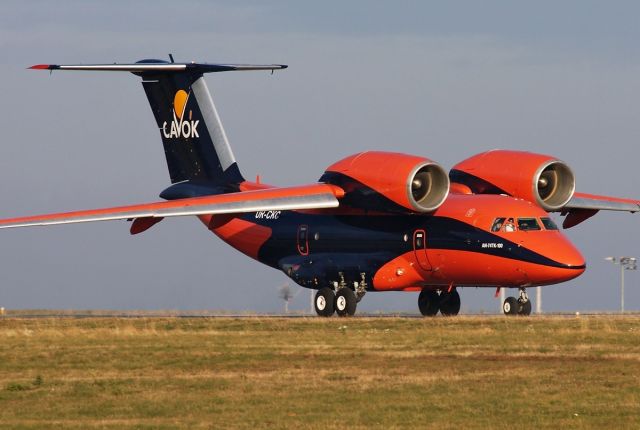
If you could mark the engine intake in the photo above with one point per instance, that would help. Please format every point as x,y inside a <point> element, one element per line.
<point>390,181</point>
<point>428,188</point>
<point>538,178</point>
<point>554,185</point>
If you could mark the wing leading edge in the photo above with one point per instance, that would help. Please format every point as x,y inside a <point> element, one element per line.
<point>316,196</point>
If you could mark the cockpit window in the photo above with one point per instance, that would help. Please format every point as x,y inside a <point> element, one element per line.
<point>497,224</point>
<point>509,225</point>
<point>528,224</point>
<point>549,224</point>
<point>524,224</point>
<point>503,224</point>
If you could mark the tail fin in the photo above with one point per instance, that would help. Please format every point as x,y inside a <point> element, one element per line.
<point>195,143</point>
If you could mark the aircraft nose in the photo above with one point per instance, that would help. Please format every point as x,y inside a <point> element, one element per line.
<point>563,261</point>
<point>570,257</point>
<point>572,263</point>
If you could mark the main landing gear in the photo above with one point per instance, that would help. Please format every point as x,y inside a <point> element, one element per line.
<point>517,306</point>
<point>343,302</point>
<point>447,302</point>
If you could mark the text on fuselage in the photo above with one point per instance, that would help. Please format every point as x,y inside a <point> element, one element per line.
<point>268,214</point>
<point>493,245</point>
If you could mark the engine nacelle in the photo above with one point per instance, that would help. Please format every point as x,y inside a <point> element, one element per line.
<point>537,178</point>
<point>389,181</point>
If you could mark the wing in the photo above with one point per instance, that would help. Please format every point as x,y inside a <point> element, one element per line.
<point>602,203</point>
<point>583,206</point>
<point>317,196</point>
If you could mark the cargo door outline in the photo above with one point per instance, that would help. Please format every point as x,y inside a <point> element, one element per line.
<point>302,239</point>
<point>420,249</point>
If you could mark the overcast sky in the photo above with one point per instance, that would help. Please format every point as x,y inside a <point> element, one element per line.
<point>443,80</point>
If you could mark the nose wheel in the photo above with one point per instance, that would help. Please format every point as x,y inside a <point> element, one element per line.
<point>517,306</point>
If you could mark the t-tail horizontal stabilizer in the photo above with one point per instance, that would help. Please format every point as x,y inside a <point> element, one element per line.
<point>155,66</point>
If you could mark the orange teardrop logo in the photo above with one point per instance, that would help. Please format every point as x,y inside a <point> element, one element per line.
<point>179,103</point>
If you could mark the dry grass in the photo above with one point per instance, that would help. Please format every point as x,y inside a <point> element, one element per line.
<point>468,372</point>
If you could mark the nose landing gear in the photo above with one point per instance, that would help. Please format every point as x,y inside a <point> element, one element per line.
<point>517,306</point>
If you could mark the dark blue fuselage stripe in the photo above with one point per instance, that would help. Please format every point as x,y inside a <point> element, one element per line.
<point>349,234</point>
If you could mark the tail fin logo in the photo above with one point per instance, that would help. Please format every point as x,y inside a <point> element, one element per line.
<point>180,126</point>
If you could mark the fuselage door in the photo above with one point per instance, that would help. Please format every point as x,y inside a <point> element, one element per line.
<point>303,240</point>
<point>420,249</point>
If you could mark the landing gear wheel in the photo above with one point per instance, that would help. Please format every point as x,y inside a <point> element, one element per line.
<point>524,308</point>
<point>510,306</point>
<point>324,302</point>
<point>428,303</point>
<point>524,304</point>
<point>346,302</point>
<point>450,303</point>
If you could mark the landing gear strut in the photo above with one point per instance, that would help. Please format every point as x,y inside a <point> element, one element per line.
<point>517,306</point>
<point>430,302</point>
<point>361,287</point>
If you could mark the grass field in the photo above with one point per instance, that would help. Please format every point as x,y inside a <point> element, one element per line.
<point>465,372</point>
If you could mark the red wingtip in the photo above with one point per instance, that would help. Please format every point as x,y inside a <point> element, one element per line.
<point>40,66</point>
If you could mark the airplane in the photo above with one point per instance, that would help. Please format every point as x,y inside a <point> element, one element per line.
<point>373,221</point>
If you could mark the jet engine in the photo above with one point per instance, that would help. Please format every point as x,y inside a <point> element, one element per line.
<point>389,181</point>
<point>541,179</point>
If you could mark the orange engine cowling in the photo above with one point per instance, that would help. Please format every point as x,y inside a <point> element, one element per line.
<point>389,181</point>
<point>538,178</point>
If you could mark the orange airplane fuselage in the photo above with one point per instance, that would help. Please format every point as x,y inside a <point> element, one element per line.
<point>454,246</point>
